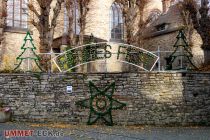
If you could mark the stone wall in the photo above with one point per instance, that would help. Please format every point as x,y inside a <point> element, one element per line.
<point>152,98</point>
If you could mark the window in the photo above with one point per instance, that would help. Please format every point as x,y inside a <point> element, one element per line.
<point>117,26</point>
<point>76,27</point>
<point>17,14</point>
<point>162,27</point>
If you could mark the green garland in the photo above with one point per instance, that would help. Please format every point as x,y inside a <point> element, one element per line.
<point>101,103</point>
<point>25,48</point>
<point>180,42</point>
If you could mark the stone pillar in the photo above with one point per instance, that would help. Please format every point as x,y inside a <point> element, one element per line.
<point>166,4</point>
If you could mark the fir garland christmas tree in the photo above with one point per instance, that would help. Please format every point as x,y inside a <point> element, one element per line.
<point>28,54</point>
<point>181,53</point>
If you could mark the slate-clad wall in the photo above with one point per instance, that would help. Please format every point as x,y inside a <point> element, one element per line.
<point>152,98</point>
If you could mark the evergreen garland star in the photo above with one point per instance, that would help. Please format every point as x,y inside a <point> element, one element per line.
<point>28,53</point>
<point>101,103</point>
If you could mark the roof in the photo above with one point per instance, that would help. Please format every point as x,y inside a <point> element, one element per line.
<point>172,18</point>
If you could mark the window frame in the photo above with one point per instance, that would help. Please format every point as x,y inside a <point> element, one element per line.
<point>113,24</point>
<point>21,28</point>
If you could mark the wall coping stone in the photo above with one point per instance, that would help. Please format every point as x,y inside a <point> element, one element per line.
<point>143,72</point>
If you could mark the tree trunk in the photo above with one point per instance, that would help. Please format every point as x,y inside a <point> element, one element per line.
<point>72,36</point>
<point>201,24</point>
<point>3,14</point>
<point>45,28</point>
<point>141,25</point>
<point>83,10</point>
<point>82,21</point>
<point>71,9</point>
<point>45,38</point>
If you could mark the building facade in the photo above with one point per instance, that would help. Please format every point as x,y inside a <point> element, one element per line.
<point>104,21</point>
<point>160,35</point>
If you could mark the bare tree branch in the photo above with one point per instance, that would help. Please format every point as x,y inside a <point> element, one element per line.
<point>83,8</point>
<point>32,8</point>
<point>36,24</point>
<point>56,12</point>
<point>201,23</point>
<point>45,27</point>
<point>70,9</point>
<point>132,12</point>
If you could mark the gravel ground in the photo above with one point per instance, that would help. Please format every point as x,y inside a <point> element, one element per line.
<point>83,132</point>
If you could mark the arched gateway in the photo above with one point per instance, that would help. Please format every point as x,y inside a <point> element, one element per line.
<point>94,52</point>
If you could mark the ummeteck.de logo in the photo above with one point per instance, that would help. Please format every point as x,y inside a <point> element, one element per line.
<point>32,133</point>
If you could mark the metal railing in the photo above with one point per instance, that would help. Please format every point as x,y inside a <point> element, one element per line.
<point>50,62</point>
